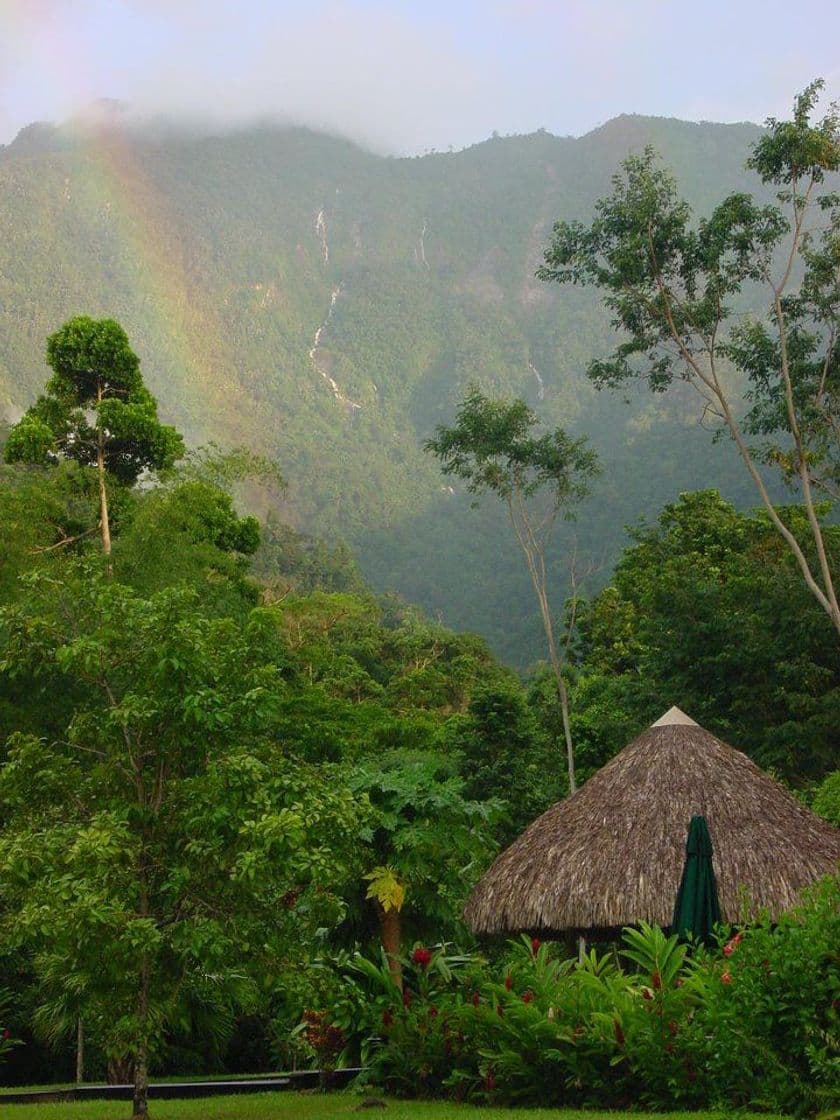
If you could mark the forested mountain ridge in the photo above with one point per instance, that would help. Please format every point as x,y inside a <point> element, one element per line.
<point>327,306</point>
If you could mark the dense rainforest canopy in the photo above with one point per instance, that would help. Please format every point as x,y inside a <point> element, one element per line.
<point>228,703</point>
<point>226,762</point>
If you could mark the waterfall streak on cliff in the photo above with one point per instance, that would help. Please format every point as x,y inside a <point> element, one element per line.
<point>540,382</point>
<point>313,354</point>
<point>321,231</point>
<point>421,244</point>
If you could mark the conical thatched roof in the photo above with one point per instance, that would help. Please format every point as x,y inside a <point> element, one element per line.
<point>612,854</point>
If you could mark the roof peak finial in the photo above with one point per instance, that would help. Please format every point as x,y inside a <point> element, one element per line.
<point>675,715</point>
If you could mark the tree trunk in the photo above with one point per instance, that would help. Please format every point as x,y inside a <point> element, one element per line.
<point>538,579</point>
<point>567,726</point>
<point>534,552</point>
<point>80,1051</point>
<point>391,926</point>
<point>103,493</point>
<point>141,1066</point>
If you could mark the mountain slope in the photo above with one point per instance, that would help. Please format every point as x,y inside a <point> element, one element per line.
<point>327,307</point>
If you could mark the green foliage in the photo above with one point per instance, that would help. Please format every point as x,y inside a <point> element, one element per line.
<point>707,610</point>
<point>290,560</point>
<point>384,887</point>
<point>95,370</point>
<point>427,841</point>
<point>366,1003</point>
<point>679,289</point>
<point>225,321</point>
<point>252,726</point>
<point>492,447</point>
<point>152,843</point>
<point>505,753</point>
<point>768,1034</point>
<point>187,532</point>
<point>39,508</point>
<point>827,798</point>
<point>7,1041</point>
<point>751,1025</point>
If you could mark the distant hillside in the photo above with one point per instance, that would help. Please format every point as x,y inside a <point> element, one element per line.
<point>327,306</point>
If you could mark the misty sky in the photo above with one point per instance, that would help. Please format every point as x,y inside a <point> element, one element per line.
<point>412,75</point>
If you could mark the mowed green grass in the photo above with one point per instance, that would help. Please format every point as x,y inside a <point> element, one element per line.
<point>317,1106</point>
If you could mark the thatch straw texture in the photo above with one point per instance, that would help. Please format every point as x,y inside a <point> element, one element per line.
<point>612,854</point>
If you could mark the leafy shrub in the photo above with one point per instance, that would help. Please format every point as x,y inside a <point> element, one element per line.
<point>752,1023</point>
<point>827,798</point>
<point>769,1032</point>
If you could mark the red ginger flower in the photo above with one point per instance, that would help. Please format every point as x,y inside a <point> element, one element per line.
<point>535,944</point>
<point>527,997</point>
<point>422,957</point>
<point>508,982</point>
<point>656,980</point>
<point>475,999</point>
<point>726,977</point>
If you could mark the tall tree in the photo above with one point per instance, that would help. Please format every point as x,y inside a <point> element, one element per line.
<point>494,447</point>
<point>160,831</point>
<point>678,288</point>
<point>95,410</point>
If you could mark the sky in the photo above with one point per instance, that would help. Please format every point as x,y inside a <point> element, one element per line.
<point>410,76</point>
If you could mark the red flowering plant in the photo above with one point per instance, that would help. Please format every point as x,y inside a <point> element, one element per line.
<point>656,1062</point>
<point>421,957</point>
<point>404,1030</point>
<point>519,1028</point>
<point>670,1028</point>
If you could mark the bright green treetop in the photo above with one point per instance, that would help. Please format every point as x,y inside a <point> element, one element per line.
<point>96,410</point>
<point>96,388</point>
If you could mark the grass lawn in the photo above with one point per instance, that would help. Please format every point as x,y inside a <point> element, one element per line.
<point>316,1106</point>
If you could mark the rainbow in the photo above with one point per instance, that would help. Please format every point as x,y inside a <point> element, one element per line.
<point>149,236</point>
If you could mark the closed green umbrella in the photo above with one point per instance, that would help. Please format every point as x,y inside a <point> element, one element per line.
<point>697,908</point>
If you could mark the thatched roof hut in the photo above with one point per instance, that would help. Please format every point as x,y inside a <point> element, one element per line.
<point>612,854</point>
